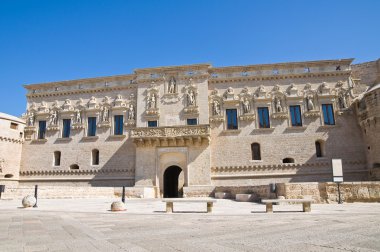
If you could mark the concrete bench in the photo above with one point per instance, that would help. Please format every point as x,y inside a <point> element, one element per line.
<point>169,203</point>
<point>306,203</point>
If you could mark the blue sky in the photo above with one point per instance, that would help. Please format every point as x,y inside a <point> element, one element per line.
<point>42,41</point>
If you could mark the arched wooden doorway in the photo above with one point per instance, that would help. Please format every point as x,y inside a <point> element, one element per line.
<point>172,189</point>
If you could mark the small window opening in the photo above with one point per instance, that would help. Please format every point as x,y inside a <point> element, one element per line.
<point>318,149</point>
<point>255,149</point>
<point>14,126</point>
<point>8,176</point>
<point>57,158</point>
<point>74,167</point>
<point>288,161</point>
<point>95,157</point>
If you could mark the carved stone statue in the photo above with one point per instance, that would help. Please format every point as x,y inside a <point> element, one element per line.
<point>309,103</point>
<point>172,86</point>
<point>246,106</point>
<point>191,98</point>
<point>54,118</point>
<point>31,120</point>
<point>277,102</point>
<point>342,101</point>
<point>152,101</point>
<point>78,117</point>
<point>216,107</point>
<point>105,113</point>
<point>230,90</point>
<point>131,112</point>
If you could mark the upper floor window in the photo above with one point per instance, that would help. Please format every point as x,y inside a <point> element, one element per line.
<point>118,128</point>
<point>152,123</point>
<point>66,128</point>
<point>263,117</point>
<point>192,121</point>
<point>328,114</point>
<point>57,158</point>
<point>91,131</point>
<point>41,129</point>
<point>295,115</point>
<point>95,157</point>
<point>231,118</point>
<point>255,149</point>
<point>14,125</point>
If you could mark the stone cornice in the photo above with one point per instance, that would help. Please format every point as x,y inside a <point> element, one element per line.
<point>80,91</point>
<point>79,81</point>
<point>74,172</point>
<point>12,140</point>
<point>196,67</point>
<point>285,65</point>
<point>173,68</point>
<point>279,77</point>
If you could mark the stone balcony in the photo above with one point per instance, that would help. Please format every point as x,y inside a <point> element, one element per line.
<point>171,136</point>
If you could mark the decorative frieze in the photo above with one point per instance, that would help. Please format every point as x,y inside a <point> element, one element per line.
<point>171,135</point>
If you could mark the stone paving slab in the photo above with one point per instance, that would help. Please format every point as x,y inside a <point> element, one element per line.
<point>88,225</point>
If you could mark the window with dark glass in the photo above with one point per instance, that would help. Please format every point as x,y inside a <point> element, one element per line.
<point>318,149</point>
<point>152,123</point>
<point>91,131</point>
<point>57,158</point>
<point>295,115</point>
<point>41,129</point>
<point>66,128</point>
<point>118,129</point>
<point>263,117</point>
<point>255,149</point>
<point>288,160</point>
<point>231,119</point>
<point>95,157</point>
<point>192,121</point>
<point>328,114</point>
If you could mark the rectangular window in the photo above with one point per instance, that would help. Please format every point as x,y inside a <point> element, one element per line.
<point>295,115</point>
<point>66,128</point>
<point>41,129</point>
<point>91,131</point>
<point>118,129</point>
<point>192,121</point>
<point>328,114</point>
<point>152,123</point>
<point>231,119</point>
<point>263,117</point>
<point>14,125</point>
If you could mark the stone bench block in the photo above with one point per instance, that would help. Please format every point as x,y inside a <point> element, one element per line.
<point>245,197</point>
<point>222,195</point>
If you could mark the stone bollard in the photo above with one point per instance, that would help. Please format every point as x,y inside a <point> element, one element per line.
<point>29,201</point>
<point>118,206</point>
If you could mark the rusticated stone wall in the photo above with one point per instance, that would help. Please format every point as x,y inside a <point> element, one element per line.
<point>328,192</point>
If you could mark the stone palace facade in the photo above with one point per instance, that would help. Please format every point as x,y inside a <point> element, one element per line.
<point>184,130</point>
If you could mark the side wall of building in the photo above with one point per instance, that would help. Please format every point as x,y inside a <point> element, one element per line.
<point>11,141</point>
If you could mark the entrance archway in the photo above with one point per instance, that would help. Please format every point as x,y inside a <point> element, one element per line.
<point>172,187</point>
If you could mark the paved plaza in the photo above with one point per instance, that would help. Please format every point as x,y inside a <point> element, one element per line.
<point>88,225</point>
